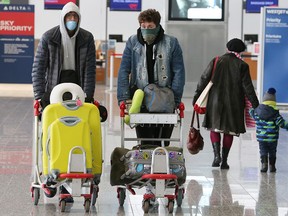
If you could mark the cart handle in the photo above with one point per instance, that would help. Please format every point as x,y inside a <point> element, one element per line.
<point>36,108</point>
<point>181,108</point>
<point>122,109</point>
<point>76,175</point>
<point>159,176</point>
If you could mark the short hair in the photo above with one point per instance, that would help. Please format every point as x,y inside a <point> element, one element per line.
<point>149,15</point>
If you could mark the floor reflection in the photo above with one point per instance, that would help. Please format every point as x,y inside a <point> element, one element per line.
<point>220,201</point>
<point>267,199</point>
<point>194,192</point>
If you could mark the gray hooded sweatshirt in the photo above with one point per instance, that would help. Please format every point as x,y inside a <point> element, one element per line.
<point>68,43</point>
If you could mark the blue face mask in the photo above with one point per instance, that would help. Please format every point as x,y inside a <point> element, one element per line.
<point>71,25</point>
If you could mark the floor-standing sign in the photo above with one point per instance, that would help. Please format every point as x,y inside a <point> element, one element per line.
<point>273,62</point>
<point>16,43</point>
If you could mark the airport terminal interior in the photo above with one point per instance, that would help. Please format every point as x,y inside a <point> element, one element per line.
<point>240,191</point>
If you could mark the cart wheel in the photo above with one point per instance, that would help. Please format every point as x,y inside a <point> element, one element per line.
<point>53,192</point>
<point>121,195</point>
<point>170,206</point>
<point>87,204</point>
<point>146,205</point>
<point>36,195</point>
<point>94,194</point>
<point>62,205</point>
<point>179,197</point>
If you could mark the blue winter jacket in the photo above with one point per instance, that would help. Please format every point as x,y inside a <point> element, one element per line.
<point>168,68</point>
<point>268,120</point>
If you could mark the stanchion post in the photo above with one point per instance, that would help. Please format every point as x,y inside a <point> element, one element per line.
<point>111,71</point>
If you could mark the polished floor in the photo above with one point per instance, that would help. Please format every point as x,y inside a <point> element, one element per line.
<point>242,190</point>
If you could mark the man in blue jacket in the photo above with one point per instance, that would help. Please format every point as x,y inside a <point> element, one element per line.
<point>65,53</point>
<point>150,56</point>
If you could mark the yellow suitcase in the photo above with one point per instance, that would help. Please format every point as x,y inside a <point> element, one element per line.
<point>69,139</point>
<point>87,112</point>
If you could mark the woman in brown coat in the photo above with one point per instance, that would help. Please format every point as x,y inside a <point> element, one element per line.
<point>226,102</point>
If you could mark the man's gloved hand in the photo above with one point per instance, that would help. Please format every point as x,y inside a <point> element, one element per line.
<point>103,113</point>
<point>89,100</point>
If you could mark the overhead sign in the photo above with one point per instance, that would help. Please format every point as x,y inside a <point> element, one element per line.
<point>58,4</point>
<point>273,65</point>
<point>125,5</point>
<point>16,43</point>
<point>254,6</point>
<point>14,1</point>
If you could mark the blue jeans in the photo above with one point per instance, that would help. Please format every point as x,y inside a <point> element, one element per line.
<point>268,149</point>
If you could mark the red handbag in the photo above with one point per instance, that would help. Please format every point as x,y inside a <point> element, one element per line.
<point>195,141</point>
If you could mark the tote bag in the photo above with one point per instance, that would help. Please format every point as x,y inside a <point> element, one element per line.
<point>201,103</point>
<point>159,99</point>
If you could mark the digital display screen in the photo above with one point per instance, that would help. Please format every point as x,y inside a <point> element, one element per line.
<point>203,10</point>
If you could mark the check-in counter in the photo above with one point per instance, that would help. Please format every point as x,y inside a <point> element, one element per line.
<point>251,60</point>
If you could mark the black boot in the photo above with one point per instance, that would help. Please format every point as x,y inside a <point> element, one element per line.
<point>225,152</point>
<point>272,161</point>
<point>264,161</point>
<point>217,157</point>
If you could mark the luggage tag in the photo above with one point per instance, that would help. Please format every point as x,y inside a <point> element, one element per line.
<point>78,101</point>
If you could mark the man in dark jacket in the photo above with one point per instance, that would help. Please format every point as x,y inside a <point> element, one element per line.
<point>65,53</point>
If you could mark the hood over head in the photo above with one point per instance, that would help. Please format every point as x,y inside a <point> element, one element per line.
<point>266,112</point>
<point>69,7</point>
<point>68,43</point>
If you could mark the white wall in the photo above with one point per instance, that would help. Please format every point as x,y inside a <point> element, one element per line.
<point>94,18</point>
<point>93,13</point>
<point>234,18</point>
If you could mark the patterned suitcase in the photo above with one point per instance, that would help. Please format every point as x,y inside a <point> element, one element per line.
<point>128,166</point>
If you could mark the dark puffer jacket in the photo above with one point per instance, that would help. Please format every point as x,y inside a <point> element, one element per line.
<point>48,59</point>
<point>226,102</point>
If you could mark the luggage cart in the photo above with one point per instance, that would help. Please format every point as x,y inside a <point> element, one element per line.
<point>160,177</point>
<point>78,178</point>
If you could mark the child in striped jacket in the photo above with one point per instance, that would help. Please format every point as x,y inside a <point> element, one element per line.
<point>268,121</point>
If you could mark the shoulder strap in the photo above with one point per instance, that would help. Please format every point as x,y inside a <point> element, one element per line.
<point>214,66</point>
<point>197,118</point>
